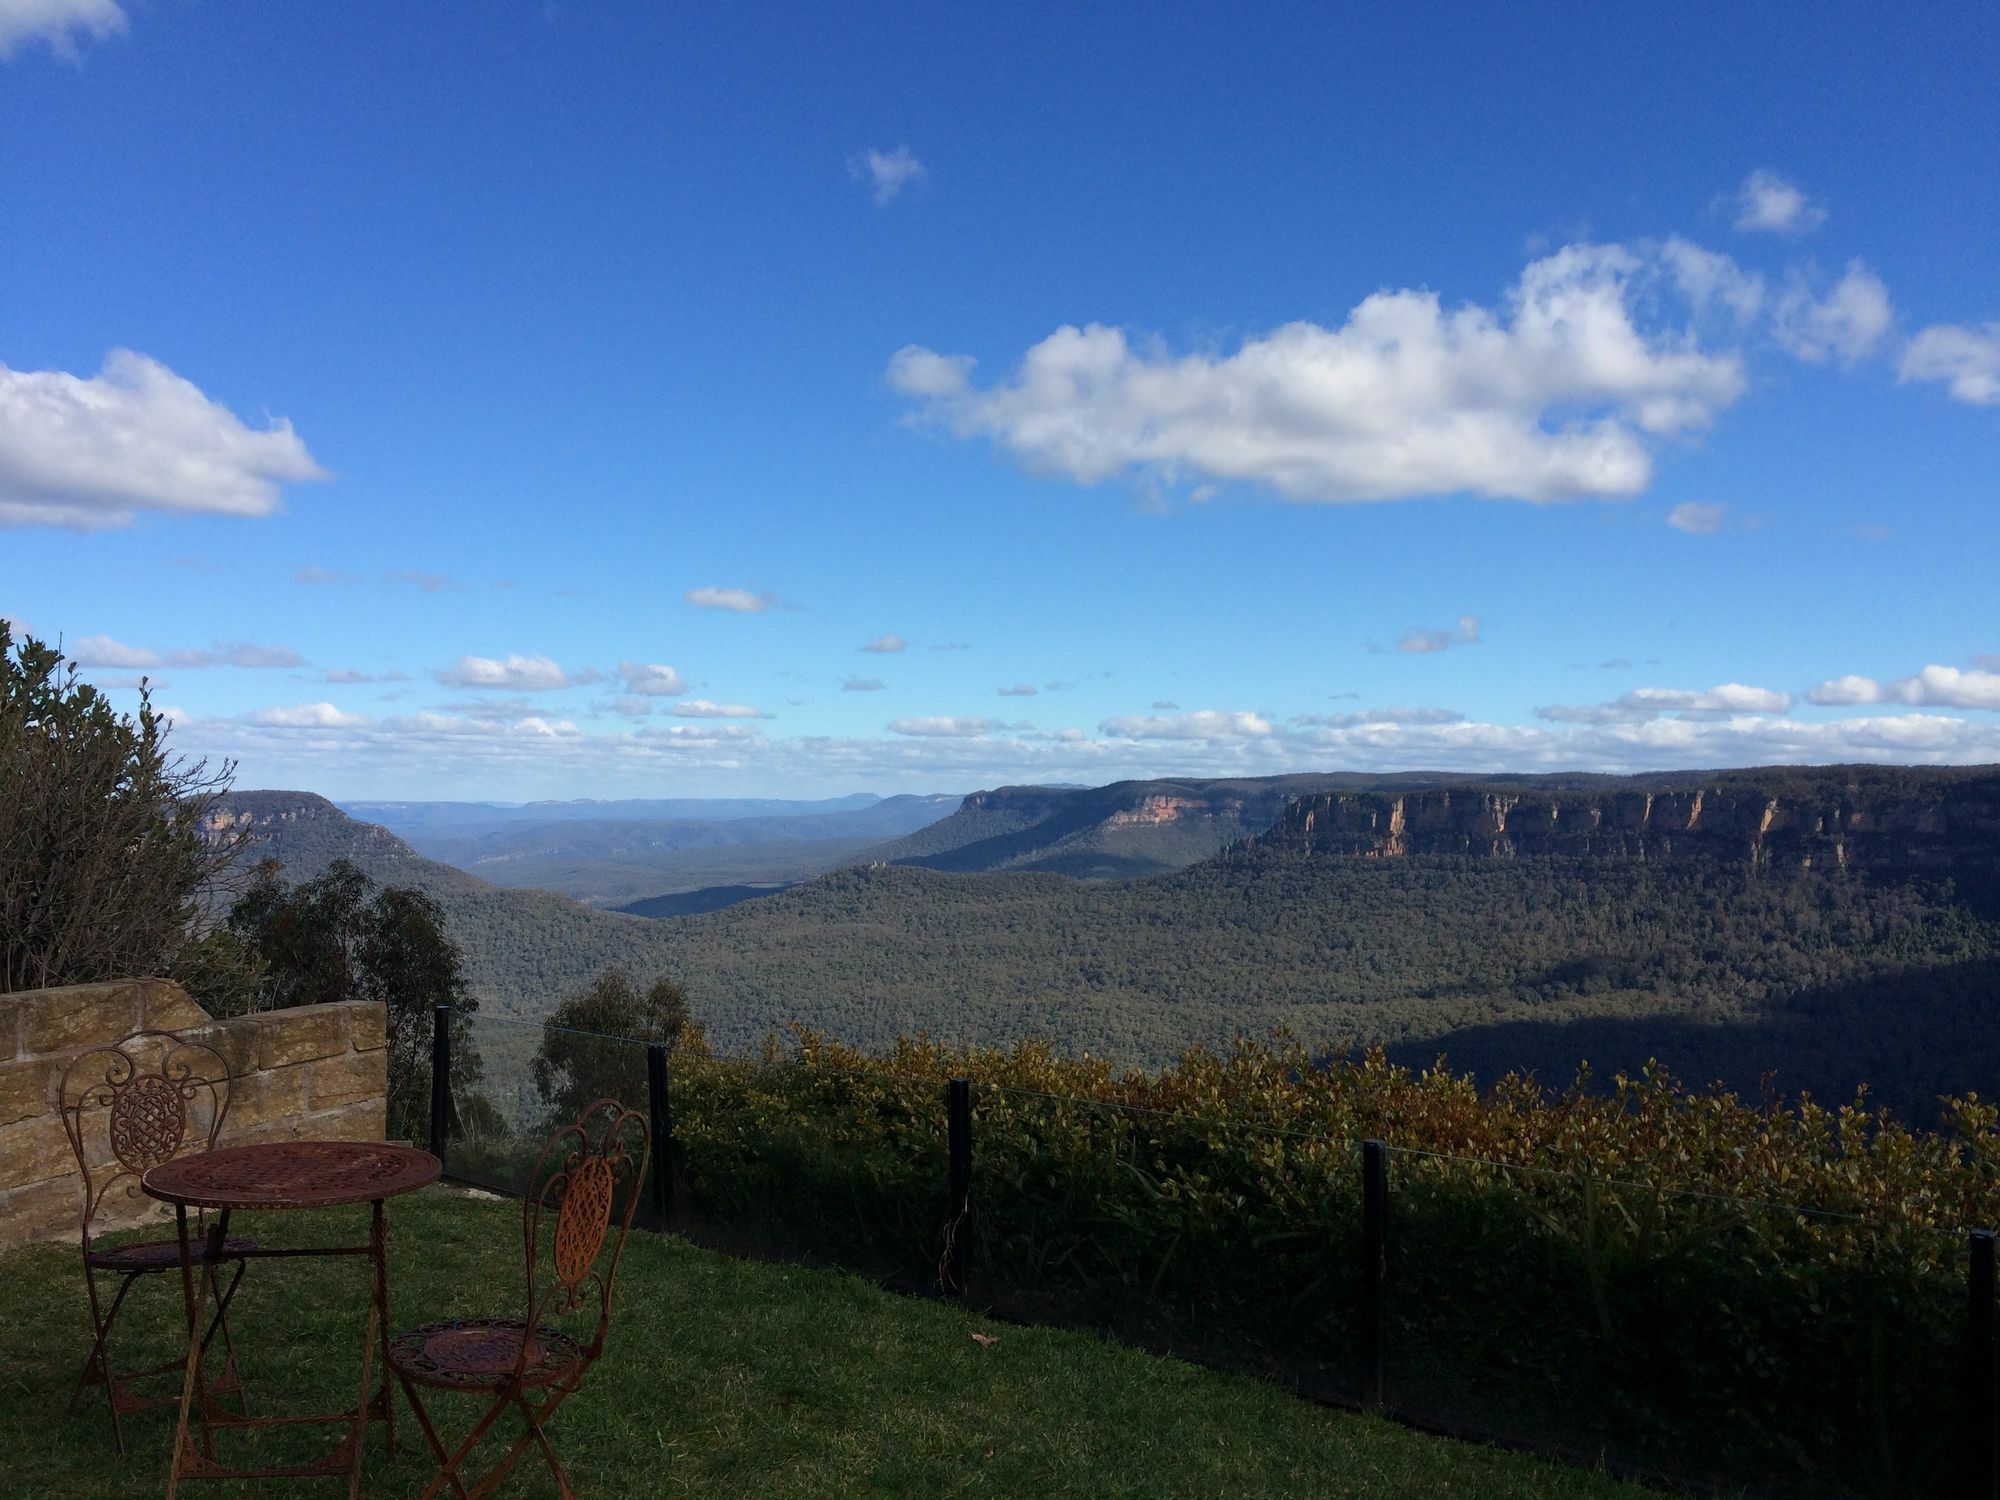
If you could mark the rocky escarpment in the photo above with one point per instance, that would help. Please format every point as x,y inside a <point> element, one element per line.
<point>1836,818</point>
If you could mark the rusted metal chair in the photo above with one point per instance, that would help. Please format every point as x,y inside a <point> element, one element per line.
<point>159,1095</point>
<point>576,1211</point>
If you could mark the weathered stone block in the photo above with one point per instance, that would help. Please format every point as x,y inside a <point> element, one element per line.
<point>280,1038</point>
<point>78,1015</point>
<point>256,1098</point>
<point>33,1149</point>
<point>368,1024</point>
<point>26,1088</point>
<point>46,1210</point>
<point>334,1082</point>
<point>165,1006</point>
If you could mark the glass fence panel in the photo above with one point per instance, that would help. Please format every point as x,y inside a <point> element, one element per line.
<point>515,1082</point>
<point>1226,1241</point>
<point>796,1159</point>
<point>1703,1338</point>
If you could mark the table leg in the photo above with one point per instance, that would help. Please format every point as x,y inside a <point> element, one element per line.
<point>378,1246</point>
<point>189,1376</point>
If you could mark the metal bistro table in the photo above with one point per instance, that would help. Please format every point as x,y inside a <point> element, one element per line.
<point>281,1175</point>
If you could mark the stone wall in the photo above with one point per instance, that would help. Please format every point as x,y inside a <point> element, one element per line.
<point>312,1072</point>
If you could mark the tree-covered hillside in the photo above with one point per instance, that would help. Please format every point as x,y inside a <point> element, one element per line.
<point>1722,971</point>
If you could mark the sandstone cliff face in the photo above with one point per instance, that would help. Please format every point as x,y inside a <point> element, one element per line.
<point>1826,827</point>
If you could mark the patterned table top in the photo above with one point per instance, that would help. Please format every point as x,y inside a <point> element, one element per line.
<point>292,1174</point>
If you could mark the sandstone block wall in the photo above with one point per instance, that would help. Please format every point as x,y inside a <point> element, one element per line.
<point>313,1072</point>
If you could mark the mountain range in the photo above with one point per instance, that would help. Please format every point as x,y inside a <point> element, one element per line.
<point>1835,926</point>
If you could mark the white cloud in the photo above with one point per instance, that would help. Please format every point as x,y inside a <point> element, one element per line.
<point>863,685</point>
<point>521,674</point>
<point>1845,324</point>
<point>702,708</point>
<point>435,754</point>
<point>738,601</point>
<point>91,453</point>
<point>308,716</point>
<point>1020,690</point>
<point>1203,724</point>
<point>1641,704</point>
<point>1708,278</point>
<point>1392,715</point>
<point>62,24</point>
<point>1421,642</point>
<point>631,708</point>
<point>1933,687</point>
<point>1552,398</point>
<point>1967,359</point>
<point>887,173</point>
<point>963,727</point>
<point>1768,204</point>
<point>1697,518</point>
<point>350,676</point>
<point>651,679</point>
<point>103,651</point>
<point>887,643</point>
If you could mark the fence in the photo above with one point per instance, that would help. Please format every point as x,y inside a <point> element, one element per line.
<point>1716,1343</point>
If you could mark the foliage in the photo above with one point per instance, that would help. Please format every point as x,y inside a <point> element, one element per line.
<point>588,1049</point>
<point>338,937</point>
<point>103,852</point>
<point>1745,1293</point>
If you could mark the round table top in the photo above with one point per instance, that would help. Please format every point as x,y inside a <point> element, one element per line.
<point>292,1174</point>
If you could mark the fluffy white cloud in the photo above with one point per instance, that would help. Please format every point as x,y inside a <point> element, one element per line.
<point>1697,518</point>
<point>738,601</point>
<point>1845,324</point>
<point>1421,642</point>
<point>1708,278</point>
<point>60,23</point>
<point>1552,398</point>
<point>887,173</point>
<point>103,651</point>
<point>520,674</point>
<point>1933,687</point>
<point>887,643</point>
<point>863,685</point>
<point>1767,203</point>
<point>1966,359</point>
<point>702,708</point>
<point>1203,724</point>
<point>1641,704</point>
<point>308,716</point>
<point>960,727</point>
<point>651,679</point>
<point>92,453</point>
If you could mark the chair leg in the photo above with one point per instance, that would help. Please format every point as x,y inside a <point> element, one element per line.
<point>231,1379</point>
<point>97,1368</point>
<point>533,1418</point>
<point>448,1463</point>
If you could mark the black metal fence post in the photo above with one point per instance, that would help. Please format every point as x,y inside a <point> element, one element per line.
<point>958,1115</point>
<point>1983,1376</point>
<point>1374,1269</point>
<point>660,1112</point>
<point>440,1078</point>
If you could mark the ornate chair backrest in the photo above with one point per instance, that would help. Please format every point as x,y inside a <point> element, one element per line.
<point>577,1210</point>
<point>149,1098</point>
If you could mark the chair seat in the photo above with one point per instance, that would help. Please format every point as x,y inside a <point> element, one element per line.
<point>475,1354</point>
<point>162,1255</point>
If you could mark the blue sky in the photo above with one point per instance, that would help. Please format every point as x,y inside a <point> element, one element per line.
<point>510,400</point>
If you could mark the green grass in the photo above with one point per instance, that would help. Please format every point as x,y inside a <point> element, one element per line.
<point>723,1377</point>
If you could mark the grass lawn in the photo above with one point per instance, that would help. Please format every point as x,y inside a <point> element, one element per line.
<point>722,1378</point>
